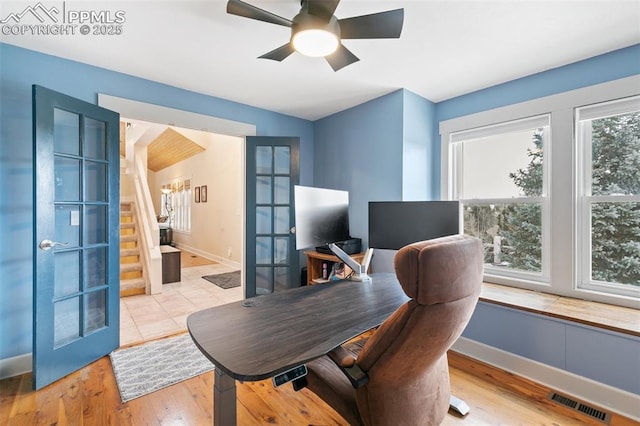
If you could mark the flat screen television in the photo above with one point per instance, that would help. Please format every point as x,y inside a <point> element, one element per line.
<point>321,215</point>
<point>394,224</point>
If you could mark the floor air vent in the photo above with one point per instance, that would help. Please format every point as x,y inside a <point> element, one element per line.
<point>579,406</point>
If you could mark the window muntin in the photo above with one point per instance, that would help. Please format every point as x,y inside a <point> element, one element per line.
<point>608,141</point>
<point>501,183</point>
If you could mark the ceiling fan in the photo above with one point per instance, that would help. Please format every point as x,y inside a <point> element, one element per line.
<point>315,31</point>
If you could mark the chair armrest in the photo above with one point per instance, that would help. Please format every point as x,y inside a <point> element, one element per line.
<point>347,364</point>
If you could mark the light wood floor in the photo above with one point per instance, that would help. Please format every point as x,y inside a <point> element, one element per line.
<point>90,397</point>
<point>189,260</point>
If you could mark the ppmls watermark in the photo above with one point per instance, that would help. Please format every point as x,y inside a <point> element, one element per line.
<point>61,19</point>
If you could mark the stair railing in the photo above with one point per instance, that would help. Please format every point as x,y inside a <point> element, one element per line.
<point>150,231</point>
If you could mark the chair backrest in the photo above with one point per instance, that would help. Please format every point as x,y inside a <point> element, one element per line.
<point>406,358</point>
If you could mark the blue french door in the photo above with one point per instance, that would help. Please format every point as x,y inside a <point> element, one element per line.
<point>272,170</point>
<point>76,234</point>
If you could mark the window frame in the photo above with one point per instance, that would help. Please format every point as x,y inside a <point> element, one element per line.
<point>564,229</point>
<point>457,139</point>
<point>586,199</point>
<point>181,211</point>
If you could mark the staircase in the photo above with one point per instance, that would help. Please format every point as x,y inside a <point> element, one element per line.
<point>132,281</point>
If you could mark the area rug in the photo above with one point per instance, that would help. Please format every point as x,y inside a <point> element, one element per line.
<point>228,280</point>
<point>146,368</point>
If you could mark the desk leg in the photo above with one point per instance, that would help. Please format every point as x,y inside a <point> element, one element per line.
<point>224,399</point>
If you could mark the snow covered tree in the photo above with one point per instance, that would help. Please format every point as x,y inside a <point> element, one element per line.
<point>615,248</point>
<point>520,224</point>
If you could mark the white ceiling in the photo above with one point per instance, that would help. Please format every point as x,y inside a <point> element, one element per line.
<point>447,48</point>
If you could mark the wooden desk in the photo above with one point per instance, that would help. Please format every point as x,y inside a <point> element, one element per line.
<point>258,338</point>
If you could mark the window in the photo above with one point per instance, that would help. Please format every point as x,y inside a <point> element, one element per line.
<point>551,187</point>
<point>501,182</point>
<point>175,202</point>
<point>609,198</point>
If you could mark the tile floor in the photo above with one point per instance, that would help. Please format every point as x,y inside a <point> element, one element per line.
<point>147,317</point>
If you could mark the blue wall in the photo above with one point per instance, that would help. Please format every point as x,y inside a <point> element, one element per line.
<point>360,150</point>
<point>604,356</point>
<point>20,69</point>
<point>418,129</point>
<point>378,151</point>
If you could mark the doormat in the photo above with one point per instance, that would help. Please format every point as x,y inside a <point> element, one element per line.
<point>152,366</point>
<point>228,280</point>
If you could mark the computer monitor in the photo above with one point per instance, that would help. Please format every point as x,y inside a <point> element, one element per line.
<point>321,215</point>
<point>394,224</point>
<point>322,218</point>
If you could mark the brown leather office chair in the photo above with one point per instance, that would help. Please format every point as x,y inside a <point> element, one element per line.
<point>404,363</point>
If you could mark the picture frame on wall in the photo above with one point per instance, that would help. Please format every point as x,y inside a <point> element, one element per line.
<point>197,194</point>
<point>203,193</point>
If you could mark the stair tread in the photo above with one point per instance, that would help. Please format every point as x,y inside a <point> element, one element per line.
<point>127,225</point>
<point>129,252</point>
<point>132,283</point>
<point>129,238</point>
<point>130,267</point>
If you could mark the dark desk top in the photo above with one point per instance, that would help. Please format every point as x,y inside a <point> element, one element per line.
<point>282,330</point>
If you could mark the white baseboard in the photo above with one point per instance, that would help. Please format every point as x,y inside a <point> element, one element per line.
<point>210,256</point>
<point>15,366</point>
<point>602,395</point>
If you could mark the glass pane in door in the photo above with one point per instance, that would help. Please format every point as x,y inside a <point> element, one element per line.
<point>95,181</point>
<point>264,160</point>
<point>66,321</point>
<point>94,137</point>
<point>81,226</point>
<point>95,267</point>
<point>67,224</point>
<point>281,220</point>
<point>66,132</point>
<point>66,278</point>
<point>95,308</point>
<point>282,278</point>
<point>264,280</point>
<point>263,220</point>
<point>95,224</point>
<point>273,217</point>
<point>67,178</point>
<point>263,190</point>
<point>282,160</point>
<point>281,189</point>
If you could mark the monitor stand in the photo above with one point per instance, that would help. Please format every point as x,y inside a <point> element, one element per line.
<point>359,269</point>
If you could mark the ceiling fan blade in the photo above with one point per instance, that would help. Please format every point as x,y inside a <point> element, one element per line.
<point>280,53</point>
<point>240,8</point>
<point>341,58</point>
<point>322,8</point>
<point>377,25</point>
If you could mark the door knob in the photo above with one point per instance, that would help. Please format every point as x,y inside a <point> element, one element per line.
<point>292,230</point>
<point>48,244</point>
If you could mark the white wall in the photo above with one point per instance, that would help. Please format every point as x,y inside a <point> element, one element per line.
<point>154,190</point>
<point>216,226</point>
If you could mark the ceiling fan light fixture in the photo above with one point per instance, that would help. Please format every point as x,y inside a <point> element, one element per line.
<point>315,42</point>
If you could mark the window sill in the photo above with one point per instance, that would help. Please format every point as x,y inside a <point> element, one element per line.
<point>608,317</point>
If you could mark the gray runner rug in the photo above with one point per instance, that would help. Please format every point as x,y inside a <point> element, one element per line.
<point>146,368</point>
<point>227,280</point>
